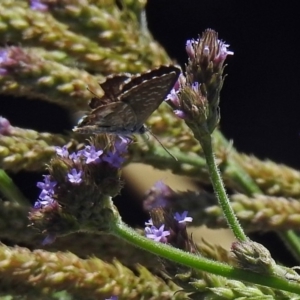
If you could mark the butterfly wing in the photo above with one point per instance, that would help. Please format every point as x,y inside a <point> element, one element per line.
<point>128,101</point>
<point>111,88</point>
<point>116,118</point>
<point>145,93</point>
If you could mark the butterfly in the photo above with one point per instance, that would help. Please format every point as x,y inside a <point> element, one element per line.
<point>128,101</point>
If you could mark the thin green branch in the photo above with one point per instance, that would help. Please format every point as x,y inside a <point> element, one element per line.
<point>219,189</point>
<point>10,191</point>
<point>203,264</point>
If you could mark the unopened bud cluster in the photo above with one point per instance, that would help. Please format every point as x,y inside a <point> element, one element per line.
<point>196,96</point>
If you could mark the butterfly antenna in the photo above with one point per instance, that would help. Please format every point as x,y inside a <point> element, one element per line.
<point>162,145</point>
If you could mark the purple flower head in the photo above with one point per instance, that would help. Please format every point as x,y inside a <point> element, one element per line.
<point>47,185</point>
<point>75,157</point>
<point>37,5</point>
<point>195,87</point>
<point>180,114</point>
<point>91,155</point>
<point>42,202</point>
<point>121,145</point>
<point>173,97</point>
<point>182,218</point>
<point>113,298</point>
<point>5,126</point>
<point>223,52</point>
<point>44,194</point>
<point>75,176</point>
<point>62,151</point>
<point>189,47</point>
<point>114,159</point>
<point>158,235</point>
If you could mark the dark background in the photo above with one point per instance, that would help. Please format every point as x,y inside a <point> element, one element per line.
<point>260,99</point>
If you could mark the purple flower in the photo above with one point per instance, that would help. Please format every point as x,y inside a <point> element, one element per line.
<point>195,87</point>
<point>47,185</point>
<point>5,126</point>
<point>63,152</point>
<point>223,52</point>
<point>74,176</point>
<point>182,218</point>
<point>173,97</point>
<point>158,235</point>
<point>114,159</point>
<point>189,47</point>
<point>91,154</point>
<point>40,203</point>
<point>37,5</point>
<point>113,298</point>
<point>121,145</point>
<point>75,157</point>
<point>180,114</point>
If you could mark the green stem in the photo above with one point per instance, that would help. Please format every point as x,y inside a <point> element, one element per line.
<point>291,240</point>
<point>219,189</point>
<point>238,176</point>
<point>10,191</point>
<point>247,184</point>
<point>201,263</point>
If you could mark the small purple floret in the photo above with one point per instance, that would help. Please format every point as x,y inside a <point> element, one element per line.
<point>75,176</point>
<point>91,155</point>
<point>173,97</point>
<point>182,218</point>
<point>5,126</point>
<point>195,87</point>
<point>74,156</point>
<point>62,151</point>
<point>190,49</point>
<point>114,159</point>
<point>158,235</point>
<point>113,298</point>
<point>47,185</point>
<point>37,5</point>
<point>180,114</point>
<point>121,145</point>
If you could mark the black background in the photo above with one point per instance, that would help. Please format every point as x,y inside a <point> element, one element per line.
<point>260,99</point>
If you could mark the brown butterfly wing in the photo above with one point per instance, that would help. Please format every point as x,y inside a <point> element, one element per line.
<point>138,79</point>
<point>116,117</point>
<point>111,88</point>
<point>146,97</point>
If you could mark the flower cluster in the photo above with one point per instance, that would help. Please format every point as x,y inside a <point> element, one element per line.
<point>78,163</point>
<point>46,195</point>
<point>159,234</point>
<point>195,97</point>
